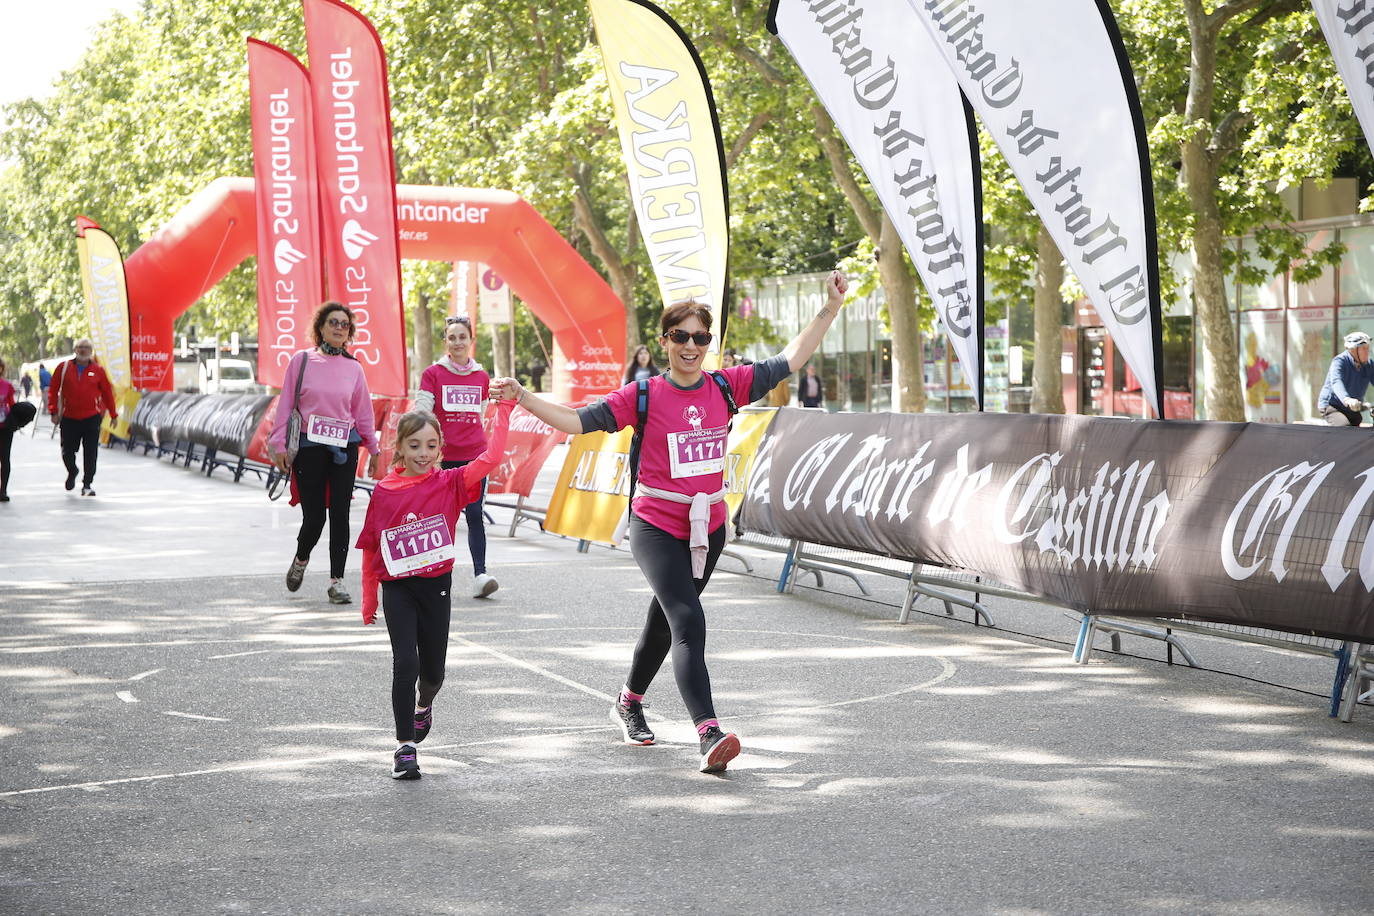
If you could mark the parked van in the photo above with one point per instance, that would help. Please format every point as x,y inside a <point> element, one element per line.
<point>235,377</point>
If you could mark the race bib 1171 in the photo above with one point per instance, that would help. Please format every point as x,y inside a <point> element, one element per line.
<point>697,451</point>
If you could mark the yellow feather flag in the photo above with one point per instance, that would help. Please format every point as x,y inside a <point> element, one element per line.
<point>107,313</point>
<point>107,299</point>
<point>670,139</point>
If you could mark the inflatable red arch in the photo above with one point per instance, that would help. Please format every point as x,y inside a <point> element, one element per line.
<point>216,230</point>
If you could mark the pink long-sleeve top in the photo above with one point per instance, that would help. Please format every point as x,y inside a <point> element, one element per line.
<point>334,387</point>
<point>398,499</point>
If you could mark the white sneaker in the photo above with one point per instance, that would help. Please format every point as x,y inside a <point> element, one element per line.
<point>484,585</point>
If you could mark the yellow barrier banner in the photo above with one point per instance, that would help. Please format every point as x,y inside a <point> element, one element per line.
<point>594,485</point>
<point>126,399</point>
<point>593,488</point>
<point>745,436</point>
<point>670,140</point>
<point>107,300</point>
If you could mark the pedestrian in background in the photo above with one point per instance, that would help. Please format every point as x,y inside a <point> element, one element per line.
<point>1341,401</point>
<point>455,390</point>
<point>335,411</point>
<point>641,365</point>
<point>79,393</point>
<point>810,388</point>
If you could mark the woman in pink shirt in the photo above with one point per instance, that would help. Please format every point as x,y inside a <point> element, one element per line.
<point>336,417</point>
<point>677,529</point>
<point>455,390</point>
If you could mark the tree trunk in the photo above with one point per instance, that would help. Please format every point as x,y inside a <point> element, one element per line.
<point>1221,366</point>
<point>620,270</point>
<point>423,336</point>
<point>898,280</point>
<point>1047,392</point>
<point>899,288</point>
<point>500,351</point>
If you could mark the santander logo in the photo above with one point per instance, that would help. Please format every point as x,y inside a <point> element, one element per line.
<point>285,256</point>
<point>355,238</point>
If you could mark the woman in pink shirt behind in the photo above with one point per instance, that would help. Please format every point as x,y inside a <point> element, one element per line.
<point>677,526</point>
<point>336,417</point>
<point>455,390</point>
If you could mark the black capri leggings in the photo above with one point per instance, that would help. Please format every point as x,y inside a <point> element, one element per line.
<point>676,620</point>
<point>417,613</point>
<point>315,470</point>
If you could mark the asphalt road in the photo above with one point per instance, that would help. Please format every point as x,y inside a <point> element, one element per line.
<point>178,733</point>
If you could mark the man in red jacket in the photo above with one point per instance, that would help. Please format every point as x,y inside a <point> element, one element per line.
<point>79,394</point>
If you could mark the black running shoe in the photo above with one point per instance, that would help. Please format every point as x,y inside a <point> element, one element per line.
<point>406,766</point>
<point>718,748</point>
<point>631,721</point>
<point>70,483</point>
<point>423,722</point>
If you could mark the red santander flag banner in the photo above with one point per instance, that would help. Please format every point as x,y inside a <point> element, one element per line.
<point>290,261</point>
<point>358,185</point>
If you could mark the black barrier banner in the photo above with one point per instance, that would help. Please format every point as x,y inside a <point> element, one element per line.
<point>1245,523</point>
<point>225,423</point>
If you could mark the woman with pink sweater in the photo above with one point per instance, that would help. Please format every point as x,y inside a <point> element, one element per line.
<point>336,417</point>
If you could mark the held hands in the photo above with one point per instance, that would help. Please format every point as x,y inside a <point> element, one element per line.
<point>1354,404</point>
<point>506,389</point>
<point>281,462</point>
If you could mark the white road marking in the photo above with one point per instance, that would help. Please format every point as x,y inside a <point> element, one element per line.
<point>289,764</point>
<point>141,675</point>
<point>542,672</point>
<point>191,715</point>
<point>948,669</point>
<point>242,654</point>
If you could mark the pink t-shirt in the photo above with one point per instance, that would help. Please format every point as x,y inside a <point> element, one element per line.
<point>684,443</point>
<point>334,389</point>
<point>6,397</point>
<point>443,492</point>
<point>458,401</point>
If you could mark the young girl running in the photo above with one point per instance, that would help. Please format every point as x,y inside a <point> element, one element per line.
<point>407,544</point>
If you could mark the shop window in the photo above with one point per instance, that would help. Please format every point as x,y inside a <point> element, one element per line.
<point>1310,335</point>
<point>1321,291</point>
<point>1357,267</point>
<point>1261,359</point>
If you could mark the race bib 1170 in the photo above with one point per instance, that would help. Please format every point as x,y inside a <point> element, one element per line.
<point>416,545</point>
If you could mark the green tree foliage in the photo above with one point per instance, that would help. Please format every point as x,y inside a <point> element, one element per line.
<point>504,93</point>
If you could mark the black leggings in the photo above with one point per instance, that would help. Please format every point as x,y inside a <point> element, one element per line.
<point>477,528</point>
<point>6,443</point>
<point>676,618</point>
<point>85,435</point>
<point>315,469</point>
<point>417,616</point>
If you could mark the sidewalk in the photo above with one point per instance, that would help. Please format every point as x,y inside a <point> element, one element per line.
<point>178,733</point>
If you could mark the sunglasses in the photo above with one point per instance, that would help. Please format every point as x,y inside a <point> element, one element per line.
<point>339,323</point>
<point>700,338</point>
<point>460,320</point>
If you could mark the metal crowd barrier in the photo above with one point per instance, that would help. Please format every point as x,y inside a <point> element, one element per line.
<point>1353,682</point>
